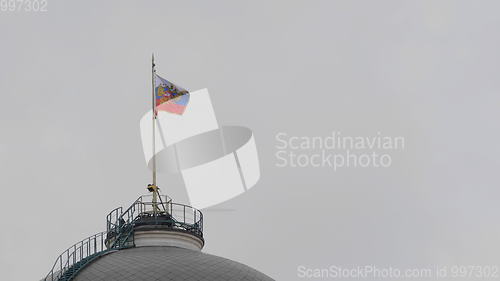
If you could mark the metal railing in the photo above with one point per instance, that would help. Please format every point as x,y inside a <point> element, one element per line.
<point>76,254</point>
<point>171,215</point>
<point>120,232</point>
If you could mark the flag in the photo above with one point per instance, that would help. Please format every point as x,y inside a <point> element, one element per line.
<point>169,97</point>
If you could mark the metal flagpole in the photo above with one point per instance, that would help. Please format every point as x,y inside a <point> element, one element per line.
<point>153,188</point>
<point>154,115</point>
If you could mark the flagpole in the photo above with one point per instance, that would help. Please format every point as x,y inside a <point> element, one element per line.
<point>154,187</point>
<point>153,114</point>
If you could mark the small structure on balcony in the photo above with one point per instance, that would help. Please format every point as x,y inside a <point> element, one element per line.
<point>165,223</point>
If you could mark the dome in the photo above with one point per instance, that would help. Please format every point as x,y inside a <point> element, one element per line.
<point>150,241</point>
<point>165,263</point>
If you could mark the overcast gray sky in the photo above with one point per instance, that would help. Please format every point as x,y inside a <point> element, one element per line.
<point>75,80</point>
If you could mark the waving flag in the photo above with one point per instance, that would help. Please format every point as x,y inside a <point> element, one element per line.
<point>200,150</point>
<point>169,97</point>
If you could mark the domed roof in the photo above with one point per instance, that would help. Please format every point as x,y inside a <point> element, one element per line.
<point>161,263</point>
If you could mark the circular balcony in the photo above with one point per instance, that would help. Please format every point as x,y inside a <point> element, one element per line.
<point>146,223</point>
